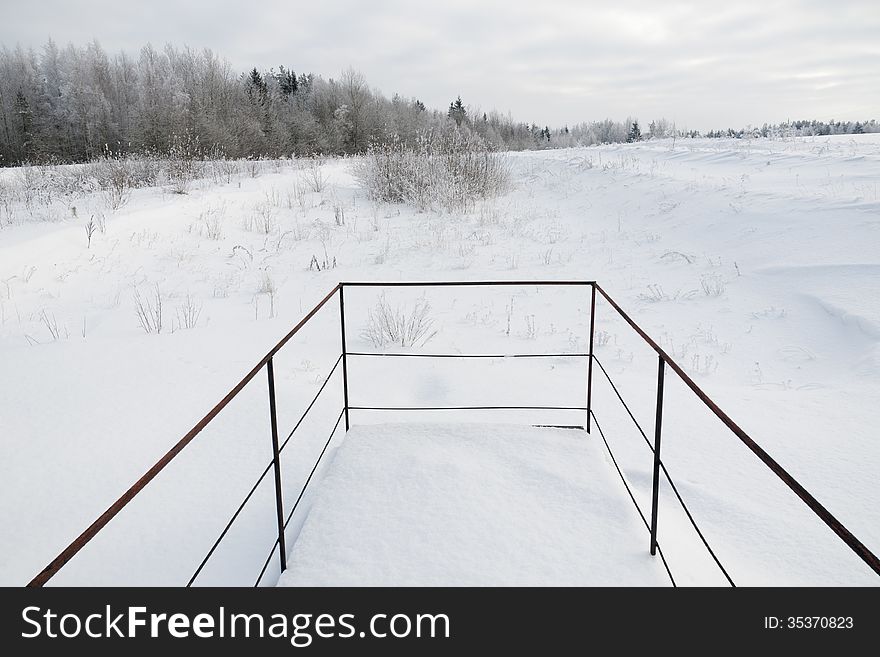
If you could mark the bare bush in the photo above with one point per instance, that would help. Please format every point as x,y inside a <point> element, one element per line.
<point>326,262</point>
<point>297,196</point>
<point>253,167</point>
<point>314,176</point>
<point>6,198</point>
<point>656,294</point>
<point>325,235</point>
<point>48,320</point>
<point>395,325</point>
<point>114,176</point>
<point>184,164</point>
<point>451,171</point>
<point>211,222</point>
<point>213,228</point>
<point>224,169</point>
<point>261,219</point>
<point>603,338</point>
<point>90,229</point>
<point>267,287</point>
<point>267,284</point>
<point>149,310</point>
<point>188,313</point>
<point>713,285</point>
<point>273,198</point>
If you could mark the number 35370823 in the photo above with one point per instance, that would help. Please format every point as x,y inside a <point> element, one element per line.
<point>808,622</point>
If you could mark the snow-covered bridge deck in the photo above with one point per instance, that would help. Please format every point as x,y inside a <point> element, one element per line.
<point>471,504</point>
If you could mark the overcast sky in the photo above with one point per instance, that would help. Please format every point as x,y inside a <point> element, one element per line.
<point>703,64</point>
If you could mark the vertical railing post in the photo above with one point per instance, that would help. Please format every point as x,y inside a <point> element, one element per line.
<point>276,461</point>
<point>590,363</point>
<point>658,424</point>
<point>344,353</point>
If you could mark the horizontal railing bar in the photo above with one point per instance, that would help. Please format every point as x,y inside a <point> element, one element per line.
<point>462,283</point>
<point>665,472</point>
<point>620,472</point>
<point>824,514</point>
<point>632,496</point>
<point>309,408</point>
<point>467,408</point>
<point>262,476</point>
<point>229,524</point>
<point>314,467</point>
<point>694,523</point>
<point>625,405</point>
<point>494,356</point>
<point>79,542</point>
<point>301,493</point>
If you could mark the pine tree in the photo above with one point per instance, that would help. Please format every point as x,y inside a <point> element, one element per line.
<point>287,82</point>
<point>635,133</point>
<point>256,87</point>
<point>22,108</point>
<point>457,111</point>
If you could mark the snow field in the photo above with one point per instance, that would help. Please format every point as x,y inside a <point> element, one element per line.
<point>471,505</point>
<point>754,264</point>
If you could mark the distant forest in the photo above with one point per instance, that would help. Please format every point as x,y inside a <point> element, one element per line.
<point>76,104</point>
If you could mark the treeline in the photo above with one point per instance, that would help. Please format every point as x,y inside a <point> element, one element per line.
<point>801,128</point>
<point>75,103</point>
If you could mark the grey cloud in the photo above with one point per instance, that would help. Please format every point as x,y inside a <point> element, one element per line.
<point>703,64</point>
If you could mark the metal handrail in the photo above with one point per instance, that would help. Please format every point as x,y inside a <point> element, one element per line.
<point>658,467</point>
<point>80,541</point>
<point>824,514</point>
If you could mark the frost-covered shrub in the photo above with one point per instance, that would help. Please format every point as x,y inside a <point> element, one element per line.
<point>314,175</point>
<point>6,198</point>
<point>49,191</point>
<point>114,176</point>
<point>395,325</point>
<point>713,285</point>
<point>184,163</point>
<point>451,171</point>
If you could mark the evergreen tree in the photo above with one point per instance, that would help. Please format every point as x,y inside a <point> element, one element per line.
<point>635,133</point>
<point>22,109</point>
<point>257,89</point>
<point>457,111</point>
<point>287,82</point>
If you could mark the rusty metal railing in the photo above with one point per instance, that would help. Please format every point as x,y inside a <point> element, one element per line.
<point>659,468</point>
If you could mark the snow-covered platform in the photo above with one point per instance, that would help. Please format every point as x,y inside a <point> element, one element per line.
<point>471,504</point>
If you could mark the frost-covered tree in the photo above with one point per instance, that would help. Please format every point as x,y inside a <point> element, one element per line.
<point>635,133</point>
<point>78,102</point>
<point>287,82</point>
<point>457,111</point>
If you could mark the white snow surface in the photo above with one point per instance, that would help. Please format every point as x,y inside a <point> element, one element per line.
<point>471,505</point>
<point>754,263</point>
